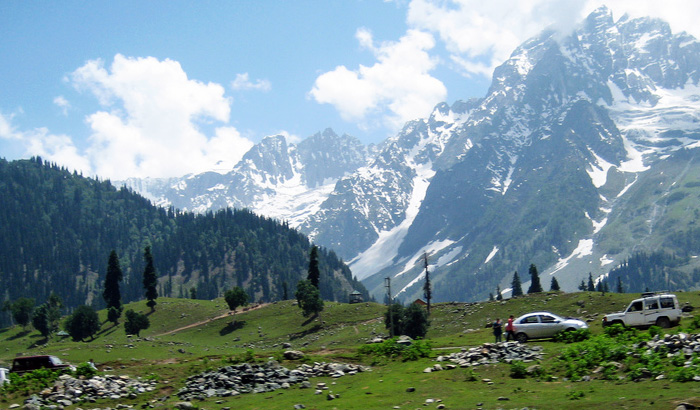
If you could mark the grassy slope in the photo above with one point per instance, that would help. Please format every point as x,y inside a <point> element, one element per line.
<point>214,343</point>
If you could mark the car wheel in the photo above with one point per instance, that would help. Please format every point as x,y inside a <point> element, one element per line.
<point>571,329</point>
<point>663,322</point>
<point>521,337</point>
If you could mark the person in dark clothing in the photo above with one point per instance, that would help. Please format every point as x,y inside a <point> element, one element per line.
<point>497,329</point>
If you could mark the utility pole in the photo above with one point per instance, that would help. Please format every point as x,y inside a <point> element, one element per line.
<point>387,283</point>
<point>427,292</point>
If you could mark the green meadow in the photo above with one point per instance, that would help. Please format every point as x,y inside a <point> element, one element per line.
<point>187,337</point>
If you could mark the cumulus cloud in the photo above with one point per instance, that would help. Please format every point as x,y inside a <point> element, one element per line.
<point>242,82</point>
<point>152,119</point>
<point>397,88</point>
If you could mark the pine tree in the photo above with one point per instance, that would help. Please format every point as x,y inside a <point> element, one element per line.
<point>554,285</point>
<point>427,290</point>
<point>619,285</point>
<point>314,274</point>
<point>516,285</point>
<point>150,279</point>
<point>591,285</point>
<point>582,286</point>
<point>535,286</point>
<point>112,294</point>
<point>499,296</point>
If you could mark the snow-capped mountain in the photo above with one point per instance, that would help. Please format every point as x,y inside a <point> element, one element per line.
<point>558,165</point>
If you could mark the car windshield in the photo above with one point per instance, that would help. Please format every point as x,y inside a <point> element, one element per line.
<point>55,360</point>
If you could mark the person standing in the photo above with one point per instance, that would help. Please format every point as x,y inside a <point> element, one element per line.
<point>510,329</point>
<point>497,329</point>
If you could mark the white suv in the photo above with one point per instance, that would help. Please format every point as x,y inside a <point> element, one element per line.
<point>661,310</point>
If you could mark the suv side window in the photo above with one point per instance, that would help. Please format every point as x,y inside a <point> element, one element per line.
<point>635,307</point>
<point>651,304</point>
<point>667,303</point>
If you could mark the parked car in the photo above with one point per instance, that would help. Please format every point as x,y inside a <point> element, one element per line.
<point>660,309</point>
<point>541,325</point>
<point>30,363</point>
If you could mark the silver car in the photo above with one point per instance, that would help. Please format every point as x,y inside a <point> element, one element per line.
<point>539,325</point>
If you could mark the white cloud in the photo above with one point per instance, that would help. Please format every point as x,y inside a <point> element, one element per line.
<point>480,35</point>
<point>242,82</point>
<point>62,103</point>
<point>152,119</point>
<point>40,142</point>
<point>397,88</point>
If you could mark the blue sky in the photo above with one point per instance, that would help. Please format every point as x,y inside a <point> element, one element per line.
<point>164,88</point>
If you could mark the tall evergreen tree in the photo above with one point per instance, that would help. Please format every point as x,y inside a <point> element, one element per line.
<point>150,279</point>
<point>499,296</point>
<point>314,274</point>
<point>112,294</point>
<point>535,286</point>
<point>591,285</point>
<point>554,286</point>
<point>427,290</point>
<point>619,285</point>
<point>516,285</point>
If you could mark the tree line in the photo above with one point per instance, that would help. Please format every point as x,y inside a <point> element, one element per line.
<point>57,227</point>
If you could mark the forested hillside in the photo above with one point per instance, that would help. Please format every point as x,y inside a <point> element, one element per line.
<point>58,228</point>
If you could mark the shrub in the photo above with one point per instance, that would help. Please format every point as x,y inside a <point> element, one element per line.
<point>85,370</point>
<point>572,336</point>
<point>518,370</point>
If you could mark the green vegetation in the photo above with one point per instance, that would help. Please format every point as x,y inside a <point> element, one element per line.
<point>191,336</point>
<point>58,229</point>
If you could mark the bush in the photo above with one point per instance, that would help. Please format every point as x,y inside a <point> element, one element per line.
<point>31,381</point>
<point>518,370</point>
<point>572,336</point>
<point>85,370</point>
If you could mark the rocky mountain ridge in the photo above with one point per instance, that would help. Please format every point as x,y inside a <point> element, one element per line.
<point>555,166</point>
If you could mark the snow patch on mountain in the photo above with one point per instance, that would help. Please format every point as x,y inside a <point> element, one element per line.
<point>493,253</point>
<point>584,248</point>
<point>598,170</point>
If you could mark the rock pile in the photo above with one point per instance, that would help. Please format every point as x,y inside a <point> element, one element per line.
<point>678,343</point>
<point>68,390</point>
<point>257,378</point>
<point>490,353</point>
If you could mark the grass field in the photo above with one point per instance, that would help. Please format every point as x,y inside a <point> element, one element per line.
<point>190,336</point>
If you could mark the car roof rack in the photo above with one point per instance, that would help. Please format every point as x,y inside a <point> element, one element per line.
<point>658,292</point>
